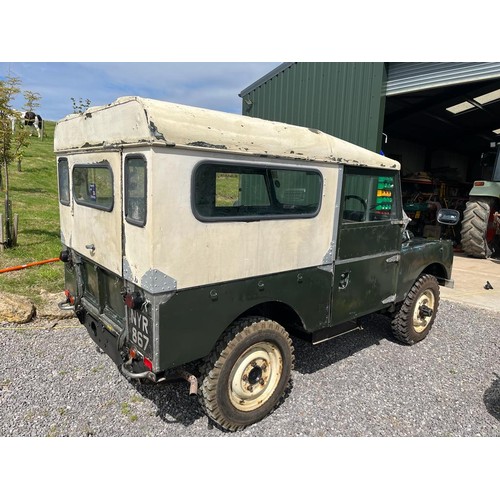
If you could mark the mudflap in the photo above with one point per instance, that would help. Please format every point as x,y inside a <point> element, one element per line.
<point>103,337</point>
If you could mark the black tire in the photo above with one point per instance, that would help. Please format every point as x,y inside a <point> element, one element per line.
<point>416,314</point>
<point>475,226</point>
<point>248,374</point>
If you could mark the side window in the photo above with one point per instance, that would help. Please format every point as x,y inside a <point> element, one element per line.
<point>135,190</point>
<point>369,196</point>
<point>63,179</point>
<point>93,186</point>
<point>240,192</point>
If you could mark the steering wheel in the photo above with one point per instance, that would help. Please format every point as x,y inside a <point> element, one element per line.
<point>355,197</point>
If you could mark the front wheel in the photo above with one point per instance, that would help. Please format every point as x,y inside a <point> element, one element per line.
<point>248,374</point>
<point>416,314</point>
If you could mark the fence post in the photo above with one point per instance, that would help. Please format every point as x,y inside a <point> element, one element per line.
<point>1,233</point>
<point>14,231</point>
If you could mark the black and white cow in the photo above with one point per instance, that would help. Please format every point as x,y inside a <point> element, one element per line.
<point>28,119</point>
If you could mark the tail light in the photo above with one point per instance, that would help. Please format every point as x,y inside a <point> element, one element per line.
<point>147,363</point>
<point>69,297</point>
<point>133,300</point>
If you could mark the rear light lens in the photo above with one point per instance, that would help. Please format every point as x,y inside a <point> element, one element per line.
<point>133,300</point>
<point>148,364</point>
<point>479,183</point>
<point>69,297</point>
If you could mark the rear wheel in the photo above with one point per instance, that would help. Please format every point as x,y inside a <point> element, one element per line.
<point>248,374</point>
<point>478,232</point>
<point>416,314</point>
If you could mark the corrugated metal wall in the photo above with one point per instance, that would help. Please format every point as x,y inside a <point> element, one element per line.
<point>411,77</point>
<point>341,99</point>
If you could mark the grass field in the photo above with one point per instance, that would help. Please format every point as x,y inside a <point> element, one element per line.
<point>33,193</point>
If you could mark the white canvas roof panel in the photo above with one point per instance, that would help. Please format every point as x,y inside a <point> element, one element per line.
<point>136,120</point>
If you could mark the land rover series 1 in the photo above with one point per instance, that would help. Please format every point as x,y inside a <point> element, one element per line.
<point>198,243</point>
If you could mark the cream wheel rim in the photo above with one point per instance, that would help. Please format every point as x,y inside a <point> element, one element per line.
<point>424,311</point>
<point>255,376</point>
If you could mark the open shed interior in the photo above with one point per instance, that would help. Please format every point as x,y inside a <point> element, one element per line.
<point>445,138</point>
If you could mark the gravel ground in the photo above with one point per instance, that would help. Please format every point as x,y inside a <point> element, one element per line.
<point>53,382</point>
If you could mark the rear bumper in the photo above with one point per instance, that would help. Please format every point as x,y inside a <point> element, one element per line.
<point>104,338</point>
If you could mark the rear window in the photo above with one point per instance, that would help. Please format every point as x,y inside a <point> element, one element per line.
<point>238,192</point>
<point>93,186</point>
<point>63,178</point>
<point>135,190</point>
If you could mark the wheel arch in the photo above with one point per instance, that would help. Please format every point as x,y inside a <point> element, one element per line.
<point>438,271</point>
<point>277,311</point>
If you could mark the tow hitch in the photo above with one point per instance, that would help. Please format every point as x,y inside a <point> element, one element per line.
<point>148,375</point>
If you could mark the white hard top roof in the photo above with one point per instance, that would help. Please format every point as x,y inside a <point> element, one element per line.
<point>136,120</point>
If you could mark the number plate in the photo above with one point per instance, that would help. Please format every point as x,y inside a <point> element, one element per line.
<point>139,329</point>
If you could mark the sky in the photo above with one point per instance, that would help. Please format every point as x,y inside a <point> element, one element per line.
<point>203,84</point>
<point>204,54</point>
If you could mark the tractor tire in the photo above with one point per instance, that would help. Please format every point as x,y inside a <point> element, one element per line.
<point>248,374</point>
<point>475,227</point>
<point>415,316</point>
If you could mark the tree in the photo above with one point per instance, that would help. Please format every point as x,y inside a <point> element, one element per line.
<point>32,100</point>
<point>13,142</point>
<point>21,136</point>
<point>81,106</point>
<point>20,141</point>
<point>9,88</point>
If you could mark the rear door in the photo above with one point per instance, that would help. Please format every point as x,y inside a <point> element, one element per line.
<point>369,243</point>
<point>97,202</point>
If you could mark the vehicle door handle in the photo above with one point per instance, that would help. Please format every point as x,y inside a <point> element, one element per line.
<point>344,280</point>
<point>394,259</point>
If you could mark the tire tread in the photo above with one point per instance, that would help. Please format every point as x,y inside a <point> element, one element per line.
<point>211,367</point>
<point>402,322</point>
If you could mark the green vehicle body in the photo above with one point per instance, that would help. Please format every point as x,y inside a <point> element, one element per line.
<point>192,321</point>
<point>321,286</point>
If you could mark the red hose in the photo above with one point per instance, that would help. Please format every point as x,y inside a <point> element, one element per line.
<point>24,266</point>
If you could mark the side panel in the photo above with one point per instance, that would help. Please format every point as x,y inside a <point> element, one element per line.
<point>192,320</point>
<point>190,253</point>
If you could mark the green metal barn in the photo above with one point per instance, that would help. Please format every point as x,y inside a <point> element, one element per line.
<point>441,120</point>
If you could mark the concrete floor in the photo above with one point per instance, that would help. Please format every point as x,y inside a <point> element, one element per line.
<point>470,276</point>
